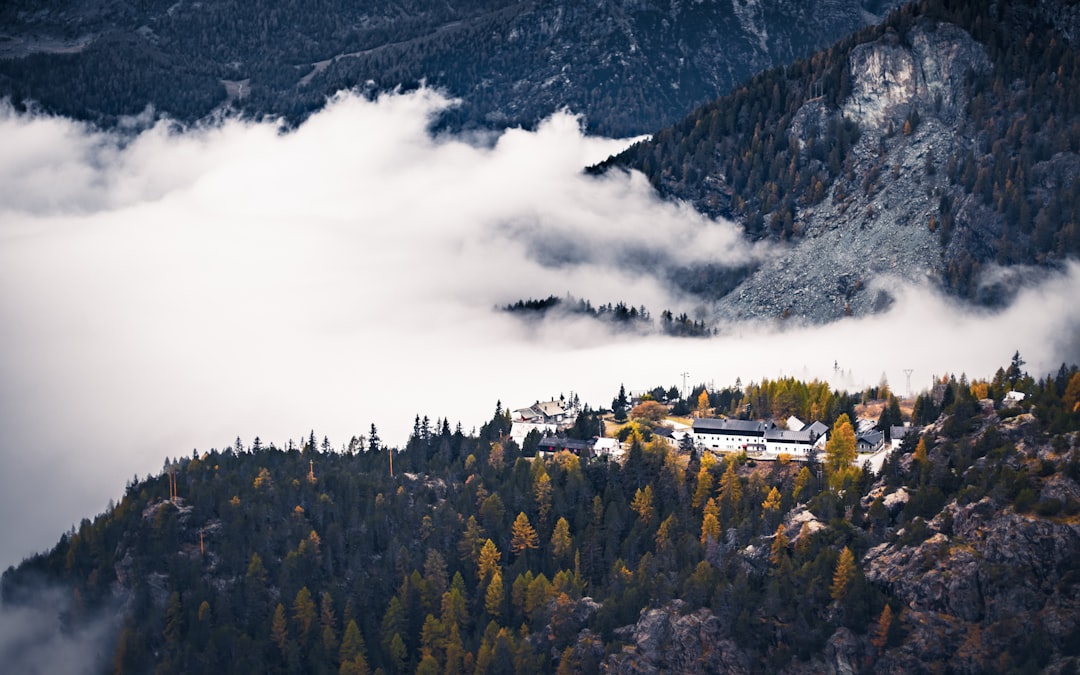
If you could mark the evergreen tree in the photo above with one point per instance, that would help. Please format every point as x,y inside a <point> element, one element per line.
<point>279,630</point>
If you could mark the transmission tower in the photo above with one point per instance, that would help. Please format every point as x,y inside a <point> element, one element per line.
<point>908,372</point>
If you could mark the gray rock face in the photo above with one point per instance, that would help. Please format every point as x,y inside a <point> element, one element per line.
<point>666,641</point>
<point>948,579</point>
<point>878,224</point>
<point>888,79</point>
<point>994,570</point>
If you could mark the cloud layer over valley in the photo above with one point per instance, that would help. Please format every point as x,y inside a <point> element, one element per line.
<point>166,290</point>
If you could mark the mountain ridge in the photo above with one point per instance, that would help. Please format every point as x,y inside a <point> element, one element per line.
<point>629,67</point>
<point>915,149</point>
<point>963,552</point>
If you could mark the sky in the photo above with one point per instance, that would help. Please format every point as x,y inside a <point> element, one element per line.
<point>164,290</point>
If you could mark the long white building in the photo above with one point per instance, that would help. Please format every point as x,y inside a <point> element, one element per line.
<point>761,439</point>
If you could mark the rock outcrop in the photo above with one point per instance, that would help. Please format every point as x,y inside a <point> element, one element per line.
<point>665,640</point>
<point>877,223</point>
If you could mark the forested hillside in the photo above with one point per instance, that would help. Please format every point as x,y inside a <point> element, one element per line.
<point>962,555</point>
<point>630,68</point>
<point>940,143</point>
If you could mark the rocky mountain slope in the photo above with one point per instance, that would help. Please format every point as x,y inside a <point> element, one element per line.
<point>939,147</point>
<point>961,555</point>
<point>629,66</point>
<point>986,579</point>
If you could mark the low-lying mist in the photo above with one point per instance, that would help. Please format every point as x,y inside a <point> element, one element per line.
<point>165,289</point>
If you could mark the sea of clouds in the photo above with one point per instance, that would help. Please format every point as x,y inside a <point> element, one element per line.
<point>167,289</point>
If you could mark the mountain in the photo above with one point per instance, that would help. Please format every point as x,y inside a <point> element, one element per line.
<point>630,67</point>
<point>938,147</point>
<point>962,554</point>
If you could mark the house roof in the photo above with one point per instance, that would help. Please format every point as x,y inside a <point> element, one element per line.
<point>816,428</point>
<point>898,433</point>
<point>728,426</point>
<point>550,408</point>
<point>563,443</point>
<point>789,436</point>
<point>873,438</point>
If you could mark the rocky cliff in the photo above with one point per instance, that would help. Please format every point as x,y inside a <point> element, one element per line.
<point>927,150</point>
<point>877,221</point>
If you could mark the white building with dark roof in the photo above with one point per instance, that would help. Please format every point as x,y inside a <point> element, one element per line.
<point>519,430</point>
<point>869,441</point>
<point>897,434</point>
<point>730,435</point>
<point>548,412</point>
<point>760,439</point>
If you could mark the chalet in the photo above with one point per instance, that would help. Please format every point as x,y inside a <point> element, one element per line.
<point>519,430</point>
<point>869,441</point>
<point>607,447</point>
<point>1013,397</point>
<point>553,444</point>
<point>864,425</point>
<point>666,433</point>
<point>549,412</point>
<point>898,434</point>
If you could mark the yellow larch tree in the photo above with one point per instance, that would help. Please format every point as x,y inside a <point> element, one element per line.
<point>643,504</point>
<point>704,487</point>
<point>561,542</point>
<point>840,453</point>
<point>488,561</point>
<point>523,535</point>
<point>778,550</point>
<point>845,573</point>
<point>881,635</point>
<point>771,505</point>
<point>495,595</point>
<point>730,487</point>
<point>710,522</point>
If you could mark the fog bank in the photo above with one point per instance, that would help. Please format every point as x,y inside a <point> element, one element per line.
<point>174,289</point>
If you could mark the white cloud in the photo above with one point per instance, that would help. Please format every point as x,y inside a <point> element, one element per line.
<point>176,289</point>
<point>34,639</point>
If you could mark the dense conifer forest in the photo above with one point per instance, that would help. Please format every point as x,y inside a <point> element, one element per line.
<point>628,68</point>
<point>468,557</point>
<point>619,315</point>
